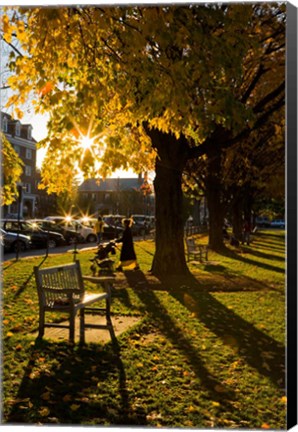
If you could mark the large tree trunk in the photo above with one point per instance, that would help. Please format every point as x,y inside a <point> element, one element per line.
<point>237,222</point>
<point>169,258</point>
<point>214,200</point>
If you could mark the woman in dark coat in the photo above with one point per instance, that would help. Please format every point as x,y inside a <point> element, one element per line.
<point>127,255</point>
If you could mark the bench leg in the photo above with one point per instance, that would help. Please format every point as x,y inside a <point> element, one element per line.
<point>41,323</point>
<point>82,326</point>
<point>108,310</point>
<point>71,325</point>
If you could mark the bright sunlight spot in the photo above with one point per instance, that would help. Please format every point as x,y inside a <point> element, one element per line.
<point>86,142</point>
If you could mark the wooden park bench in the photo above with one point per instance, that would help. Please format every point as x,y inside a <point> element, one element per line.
<point>195,250</point>
<point>61,289</point>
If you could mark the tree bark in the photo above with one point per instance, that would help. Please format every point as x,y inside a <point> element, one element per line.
<point>169,258</point>
<point>214,200</point>
<point>237,223</point>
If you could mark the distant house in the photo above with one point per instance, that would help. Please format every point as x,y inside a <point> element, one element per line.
<point>114,196</point>
<point>20,136</point>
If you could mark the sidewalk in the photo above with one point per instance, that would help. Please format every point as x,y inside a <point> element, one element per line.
<point>120,325</point>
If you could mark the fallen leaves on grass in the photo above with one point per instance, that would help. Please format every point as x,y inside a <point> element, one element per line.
<point>44,411</point>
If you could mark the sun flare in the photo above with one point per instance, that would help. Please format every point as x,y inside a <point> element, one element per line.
<point>86,142</point>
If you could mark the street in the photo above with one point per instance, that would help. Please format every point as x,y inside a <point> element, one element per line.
<point>41,252</point>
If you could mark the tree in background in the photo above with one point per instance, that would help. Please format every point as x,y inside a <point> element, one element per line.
<point>11,171</point>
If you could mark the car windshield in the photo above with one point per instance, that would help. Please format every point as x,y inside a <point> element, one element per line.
<point>29,226</point>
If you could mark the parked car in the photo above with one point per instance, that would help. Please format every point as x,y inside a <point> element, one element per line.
<point>262,221</point>
<point>137,228</point>
<point>145,220</point>
<point>12,242</point>
<point>109,231</point>
<point>75,225</point>
<point>278,223</point>
<point>39,238</point>
<point>114,220</point>
<point>70,235</point>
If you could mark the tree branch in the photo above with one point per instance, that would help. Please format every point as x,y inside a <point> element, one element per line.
<point>269,97</point>
<point>12,46</point>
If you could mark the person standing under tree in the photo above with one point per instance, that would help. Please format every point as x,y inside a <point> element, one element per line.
<point>127,255</point>
<point>98,228</point>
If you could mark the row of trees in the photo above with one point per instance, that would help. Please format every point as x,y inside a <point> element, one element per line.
<point>195,92</point>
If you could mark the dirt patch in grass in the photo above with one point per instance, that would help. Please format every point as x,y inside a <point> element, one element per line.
<point>120,325</point>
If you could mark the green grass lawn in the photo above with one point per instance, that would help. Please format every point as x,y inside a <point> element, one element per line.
<point>209,350</point>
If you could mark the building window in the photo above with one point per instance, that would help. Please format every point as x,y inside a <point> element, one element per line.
<point>93,197</point>
<point>27,187</point>
<point>28,154</point>
<point>28,170</point>
<point>18,129</point>
<point>5,125</point>
<point>29,133</point>
<point>17,149</point>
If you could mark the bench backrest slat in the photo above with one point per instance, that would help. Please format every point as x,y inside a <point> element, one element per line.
<point>191,245</point>
<point>59,283</point>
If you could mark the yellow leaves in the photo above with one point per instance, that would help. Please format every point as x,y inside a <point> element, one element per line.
<point>191,409</point>
<point>284,399</point>
<point>266,366</point>
<point>265,426</point>
<point>220,388</point>
<point>33,375</point>
<point>215,404</point>
<point>74,407</point>
<point>7,28</point>
<point>66,398</point>
<point>29,301</point>
<point>19,113</point>
<point>44,411</point>
<point>9,334</point>
<point>46,396</point>
<point>46,89</point>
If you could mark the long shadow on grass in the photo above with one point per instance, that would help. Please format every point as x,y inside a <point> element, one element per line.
<point>230,282</point>
<point>231,254</point>
<point>259,350</point>
<point>11,263</point>
<point>264,255</point>
<point>24,285</point>
<point>162,319</point>
<point>263,246</point>
<point>279,235</point>
<point>71,384</point>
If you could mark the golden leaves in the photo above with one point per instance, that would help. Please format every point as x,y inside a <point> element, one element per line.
<point>44,411</point>
<point>66,398</point>
<point>46,89</point>
<point>46,396</point>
